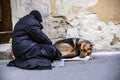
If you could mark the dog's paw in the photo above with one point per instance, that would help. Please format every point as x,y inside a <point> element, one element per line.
<point>91,58</point>
<point>85,58</point>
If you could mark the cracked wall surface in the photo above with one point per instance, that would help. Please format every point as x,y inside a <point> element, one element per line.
<point>107,10</point>
<point>94,20</point>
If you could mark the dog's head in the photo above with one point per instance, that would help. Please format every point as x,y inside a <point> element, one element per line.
<point>85,48</point>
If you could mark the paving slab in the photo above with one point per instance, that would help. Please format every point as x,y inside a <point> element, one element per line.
<point>105,66</point>
<point>5,50</point>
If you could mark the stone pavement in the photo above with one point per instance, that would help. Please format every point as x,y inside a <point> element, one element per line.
<point>106,66</point>
<point>5,50</point>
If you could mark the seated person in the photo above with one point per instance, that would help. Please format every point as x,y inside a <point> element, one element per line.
<point>31,47</point>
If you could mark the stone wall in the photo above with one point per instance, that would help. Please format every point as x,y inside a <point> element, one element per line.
<point>94,20</point>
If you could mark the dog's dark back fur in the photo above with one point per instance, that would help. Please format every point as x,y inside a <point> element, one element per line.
<point>68,40</point>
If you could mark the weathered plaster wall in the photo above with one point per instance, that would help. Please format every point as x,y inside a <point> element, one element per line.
<point>94,20</point>
<point>107,10</point>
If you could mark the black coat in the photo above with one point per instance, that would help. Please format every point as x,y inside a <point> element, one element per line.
<point>31,47</point>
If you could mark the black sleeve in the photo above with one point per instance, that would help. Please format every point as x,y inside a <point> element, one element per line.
<point>37,35</point>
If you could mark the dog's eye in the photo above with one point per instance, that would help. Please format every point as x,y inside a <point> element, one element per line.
<point>90,49</point>
<point>83,50</point>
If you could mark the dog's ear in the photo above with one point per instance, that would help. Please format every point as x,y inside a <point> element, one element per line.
<point>82,45</point>
<point>91,44</point>
<point>78,44</point>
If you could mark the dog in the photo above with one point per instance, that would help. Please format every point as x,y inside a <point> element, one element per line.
<point>73,47</point>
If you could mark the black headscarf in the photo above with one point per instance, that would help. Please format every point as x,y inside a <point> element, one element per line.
<point>37,15</point>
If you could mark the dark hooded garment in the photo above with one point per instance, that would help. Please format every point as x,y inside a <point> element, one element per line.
<point>31,47</point>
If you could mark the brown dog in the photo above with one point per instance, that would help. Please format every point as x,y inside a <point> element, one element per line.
<point>72,47</point>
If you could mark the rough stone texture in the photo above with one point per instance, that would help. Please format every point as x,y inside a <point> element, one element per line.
<point>107,10</point>
<point>5,51</point>
<point>86,16</point>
